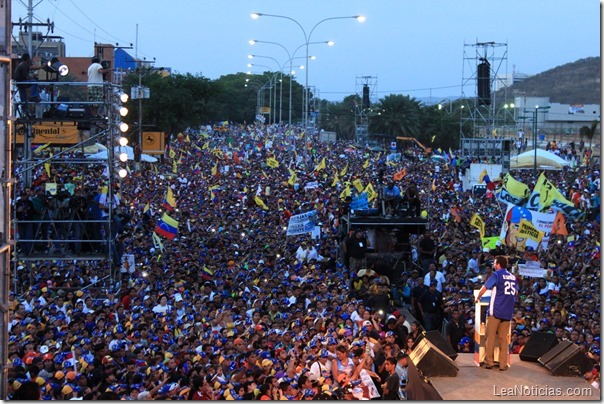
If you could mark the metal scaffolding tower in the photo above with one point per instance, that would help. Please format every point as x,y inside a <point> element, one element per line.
<point>366,90</point>
<point>484,71</point>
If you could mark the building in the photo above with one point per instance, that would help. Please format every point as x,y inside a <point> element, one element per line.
<point>46,47</point>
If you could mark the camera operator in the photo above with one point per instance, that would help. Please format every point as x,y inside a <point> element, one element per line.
<point>40,214</point>
<point>119,221</point>
<point>78,207</point>
<point>59,211</point>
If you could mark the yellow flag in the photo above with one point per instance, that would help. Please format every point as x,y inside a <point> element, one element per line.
<point>477,222</point>
<point>335,179</point>
<point>205,145</point>
<point>146,208</point>
<point>170,200</point>
<point>187,139</point>
<point>482,175</point>
<point>433,137</point>
<point>215,169</point>
<point>171,153</point>
<point>174,167</point>
<point>47,168</point>
<point>515,187</point>
<point>371,194</point>
<point>155,168</point>
<point>345,192</point>
<point>272,162</point>
<point>358,185</point>
<point>292,177</point>
<point>260,202</point>
<point>344,171</point>
<point>528,230</point>
<point>366,164</point>
<point>321,165</point>
<point>434,185</point>
<point>40,148</point>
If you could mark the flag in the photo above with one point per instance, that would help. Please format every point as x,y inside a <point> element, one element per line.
<point>345,192</point>
<point>433,137</point>
<point>513,191</point>
<point>482,175</point>
<point>215,170</point>
<point>559,226</point>
<point>358,185</point>
<point>38,149</point>
<point>490,242</point>
<point>272,162</point>
<point>433,187</point>
<point>205,145</point>
<point>187,139</point>
<point>321,165</point>
<point>400,175</point>
<point>260,202</point>
<point>157,242</point>
<point>335,179</point>
<point>196,170</point>
<point>366,164</point>
<point>343,171</point>
<point>477,222</point>
<point>292,177</point>
<point>169,202</point>
<point>171,153</point>
<point>146,208</point>
<point>371,194</point>
<point>47,168</point>
<point>174,167</point>
<point>528,230</point>
<point>167,227</point>
<point>455,213</point>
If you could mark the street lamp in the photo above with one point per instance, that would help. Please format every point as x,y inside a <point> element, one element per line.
<point>359,18</point>
<point>535,113</point>
<point>290,59</point>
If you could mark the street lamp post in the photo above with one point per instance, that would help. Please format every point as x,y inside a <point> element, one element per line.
<point>535,113</point>
<point>359,18</point>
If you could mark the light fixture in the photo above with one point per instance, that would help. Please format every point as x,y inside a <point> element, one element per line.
<point>123,111</point>
<point>360,18</point>
<point>330,43</point>
<point>251,42</point>
<point>123,141</point>
<point>123,126</point>
<point>122,172</point>
<point>250,56</point>
<point>55,66</point>
<point>124,97</point>
<point>123,157</point>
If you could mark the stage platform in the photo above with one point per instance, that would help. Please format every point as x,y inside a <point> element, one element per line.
<point>522,381</point>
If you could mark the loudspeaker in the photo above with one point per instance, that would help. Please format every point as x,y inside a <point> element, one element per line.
<point>507,146</point>
<point>419,388</point>
<point>431,361</point>
<point>566,359</point>
<point>437,340</point>
<point>484,83</point>
<point>538,344</point>
<point>366,103</point>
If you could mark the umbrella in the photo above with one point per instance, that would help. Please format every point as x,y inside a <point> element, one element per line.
<point>365,271</point>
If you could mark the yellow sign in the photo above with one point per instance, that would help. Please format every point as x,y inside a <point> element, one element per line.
<point>264,110</point>
<point>153,142</point>
<point>53,133</point>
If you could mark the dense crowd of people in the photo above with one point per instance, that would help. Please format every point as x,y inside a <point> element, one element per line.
<point>232,308</point>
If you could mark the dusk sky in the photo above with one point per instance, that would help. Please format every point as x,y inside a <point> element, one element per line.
<point>414,48</point>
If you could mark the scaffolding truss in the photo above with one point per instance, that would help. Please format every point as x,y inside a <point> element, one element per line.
<point>365,88</point>
<point>485,115</point>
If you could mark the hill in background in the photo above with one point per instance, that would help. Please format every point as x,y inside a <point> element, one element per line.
<point>572,83</point>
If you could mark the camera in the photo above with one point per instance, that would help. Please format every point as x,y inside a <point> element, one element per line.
<point>106,64</point>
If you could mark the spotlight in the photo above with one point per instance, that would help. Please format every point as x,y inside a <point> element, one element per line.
<point>124,97</point>
<point>55,66</point>
<point>122,173</point>
<point>123,141</point>
<point>123,157</point>
<point>123,126</point>
<point>123,111</point>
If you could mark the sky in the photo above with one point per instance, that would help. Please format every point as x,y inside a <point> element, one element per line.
<point>424,49</point>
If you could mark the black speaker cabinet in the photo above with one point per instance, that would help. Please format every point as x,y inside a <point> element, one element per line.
<point>538,344</point>
<point>437,339</point>
<point>566,359</point>
<point>431,361</point>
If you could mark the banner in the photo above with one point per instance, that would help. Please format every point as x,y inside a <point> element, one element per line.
<point>359,202</point>
<point>531,269</point>
<point>358,185</point>
<point>53,133</point>
<point>394,157</point>
<point>128,264</point>
<point>311,185</point>
<point>302,223</point>
<point>515,232</point>
<point>516,192</point>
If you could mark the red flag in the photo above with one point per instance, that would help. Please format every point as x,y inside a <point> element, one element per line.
<point>559,226</point>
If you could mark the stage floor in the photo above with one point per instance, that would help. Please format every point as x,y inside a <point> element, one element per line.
<point>522,381</point>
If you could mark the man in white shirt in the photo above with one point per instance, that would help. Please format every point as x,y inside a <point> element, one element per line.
<point>432,275</point>
<point>95,92</point>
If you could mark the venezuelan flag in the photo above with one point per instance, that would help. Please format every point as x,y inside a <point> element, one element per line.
<point>167,227</point>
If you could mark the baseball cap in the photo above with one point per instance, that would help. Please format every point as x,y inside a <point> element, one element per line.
<point>433,283</point>
<point>366,323</point>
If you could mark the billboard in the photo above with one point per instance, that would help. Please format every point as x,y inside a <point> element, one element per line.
<point>153,142</point>
<point>66,133</point>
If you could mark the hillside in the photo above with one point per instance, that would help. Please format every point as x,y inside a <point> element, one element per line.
<point>573,83</point>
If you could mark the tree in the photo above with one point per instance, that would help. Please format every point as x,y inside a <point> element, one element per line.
<point>588,132</point>
<point>396,115</point>
<point>339,117</point>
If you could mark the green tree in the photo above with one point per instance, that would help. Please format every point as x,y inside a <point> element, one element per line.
<point>396,115</point>
<point>339,117</point>
<point>589,132</point>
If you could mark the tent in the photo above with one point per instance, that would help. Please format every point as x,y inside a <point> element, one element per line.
<point>95,148</point>
<point>123,149</point>
<point>545,160</point>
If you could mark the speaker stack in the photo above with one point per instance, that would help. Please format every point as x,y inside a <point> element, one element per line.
<point>431,361</point>
<point>566,359</point>
<point>538,344</point>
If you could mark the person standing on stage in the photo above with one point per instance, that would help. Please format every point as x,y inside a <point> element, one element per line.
<point>504,289</point>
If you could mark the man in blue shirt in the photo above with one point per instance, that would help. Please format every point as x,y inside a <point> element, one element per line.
<point>503,288</point>
<point>392,196</point>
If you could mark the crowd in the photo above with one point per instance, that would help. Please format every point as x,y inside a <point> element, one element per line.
<point>233,309</point>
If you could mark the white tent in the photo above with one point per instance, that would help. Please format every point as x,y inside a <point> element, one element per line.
<point>123,149</point>
<point>95,148</point>
<point>545,160</point>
